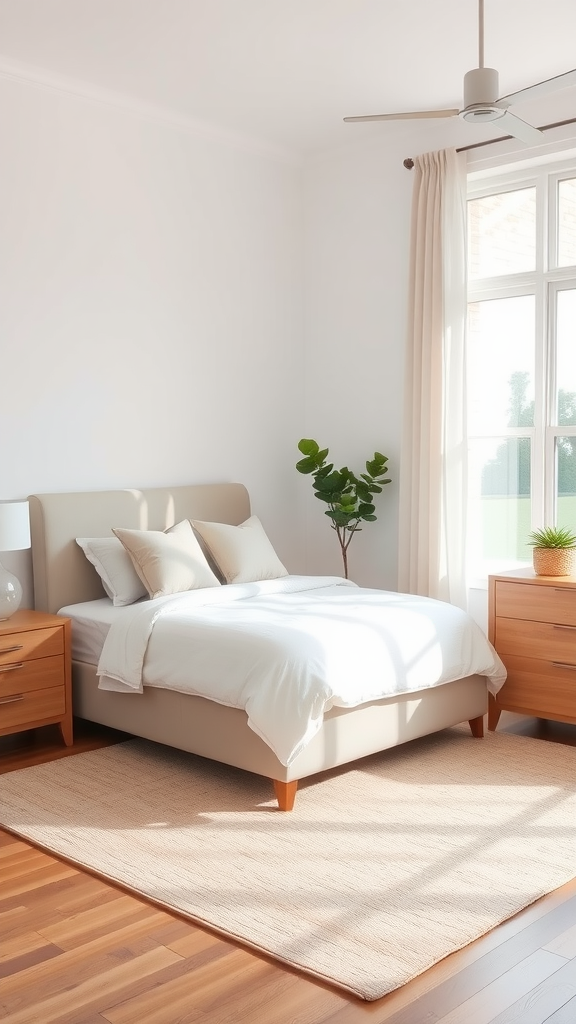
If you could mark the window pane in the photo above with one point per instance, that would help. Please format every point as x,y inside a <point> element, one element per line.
<point>502,233</point>
<point>500,365</point>
<point>499,509</point>
<point>566,482</point>
<point>566,357</point>
<point>567,222</point>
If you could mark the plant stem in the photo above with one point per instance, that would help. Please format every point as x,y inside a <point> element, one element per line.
<point>345,544</point>
<point>341,534</point>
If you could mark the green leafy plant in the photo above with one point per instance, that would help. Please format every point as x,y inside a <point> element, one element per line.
<point>552,537</point>
<point>349,497</point>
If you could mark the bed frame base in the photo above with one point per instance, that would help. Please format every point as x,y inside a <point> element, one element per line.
<point>220,733</point>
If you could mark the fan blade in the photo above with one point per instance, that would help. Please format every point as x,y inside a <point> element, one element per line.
<point>403,117</point>
<point>540,89</point>
<point>520,129</point>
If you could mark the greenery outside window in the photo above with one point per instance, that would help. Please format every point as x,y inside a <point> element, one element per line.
<point>521,362</point>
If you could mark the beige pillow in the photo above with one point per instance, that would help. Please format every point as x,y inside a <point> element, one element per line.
<point>170,562</point>
<point>243,553</point>
<point>114,567</point>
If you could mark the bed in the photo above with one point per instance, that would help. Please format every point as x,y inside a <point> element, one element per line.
<point>63,577</point>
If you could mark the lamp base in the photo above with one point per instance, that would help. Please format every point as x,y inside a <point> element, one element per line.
<point>10,593</point>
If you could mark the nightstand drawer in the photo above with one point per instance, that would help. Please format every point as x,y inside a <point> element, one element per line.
<point>30,644</point>
<point>22,676</point>
<point>537,603</point>
<point>539,687</point>
<point>22,709</point>
<point>544,640</point>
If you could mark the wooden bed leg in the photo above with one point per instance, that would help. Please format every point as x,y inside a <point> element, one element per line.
<point>477,726</point>
<point>494,713</point>
<point>285,794</point>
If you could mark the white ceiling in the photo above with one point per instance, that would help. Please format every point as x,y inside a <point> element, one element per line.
<point>287,71</point>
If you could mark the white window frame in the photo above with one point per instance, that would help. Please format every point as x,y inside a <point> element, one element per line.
<point>544,282</point>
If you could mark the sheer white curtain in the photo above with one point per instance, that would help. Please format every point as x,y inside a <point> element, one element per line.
<point>433,469</point>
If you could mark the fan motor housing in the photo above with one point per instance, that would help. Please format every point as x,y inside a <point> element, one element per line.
<point>480,95</point>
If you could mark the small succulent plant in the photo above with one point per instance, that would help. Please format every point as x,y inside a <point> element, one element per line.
<point>552,537</point>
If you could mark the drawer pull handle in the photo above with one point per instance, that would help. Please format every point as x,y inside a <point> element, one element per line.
<point>12,700</point>
<point>564,664</point>
<point>558,626</point>
<point>10,668</point>
<point>8,650</point>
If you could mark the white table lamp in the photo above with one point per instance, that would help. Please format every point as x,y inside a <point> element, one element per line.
<point>14,536</point>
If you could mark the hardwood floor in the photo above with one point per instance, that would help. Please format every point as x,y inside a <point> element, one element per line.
<point>76,950</point>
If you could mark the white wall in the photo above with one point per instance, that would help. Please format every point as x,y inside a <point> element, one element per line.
<point>151,308</point>
<point>357,235</point>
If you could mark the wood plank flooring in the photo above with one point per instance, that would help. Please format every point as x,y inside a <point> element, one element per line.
<point>76,950</point>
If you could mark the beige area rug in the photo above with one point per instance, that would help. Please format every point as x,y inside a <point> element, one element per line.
<point>380,871</point>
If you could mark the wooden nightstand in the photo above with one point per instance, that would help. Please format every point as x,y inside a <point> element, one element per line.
<point>35,673</point>
<point>532,625</point>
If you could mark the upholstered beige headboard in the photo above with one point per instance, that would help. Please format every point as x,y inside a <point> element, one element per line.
<point>62,574</point>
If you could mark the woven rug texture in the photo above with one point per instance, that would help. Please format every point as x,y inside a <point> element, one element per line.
<point>382,869</point>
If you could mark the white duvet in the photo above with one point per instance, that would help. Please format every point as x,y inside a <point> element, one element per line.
<point>287,650</point>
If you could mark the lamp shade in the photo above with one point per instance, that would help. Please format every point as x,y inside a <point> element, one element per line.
<point>14,526</point>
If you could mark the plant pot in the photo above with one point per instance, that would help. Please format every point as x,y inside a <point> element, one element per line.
<point>553,561</point>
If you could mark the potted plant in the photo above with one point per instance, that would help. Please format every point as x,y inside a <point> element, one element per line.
<point>349,497</point>
<point>553,553</point>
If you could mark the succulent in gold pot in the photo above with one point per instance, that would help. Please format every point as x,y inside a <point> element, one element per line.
<point>554,551</point>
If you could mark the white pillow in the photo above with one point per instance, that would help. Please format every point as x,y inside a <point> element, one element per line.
<point>114,567</point>
<point>170,562</point>
<point>244,554</point>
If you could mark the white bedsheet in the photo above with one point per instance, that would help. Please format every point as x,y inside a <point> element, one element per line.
<point>287,650</point>
<point>91,621</point>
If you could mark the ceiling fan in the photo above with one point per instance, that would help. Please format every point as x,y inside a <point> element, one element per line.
<point>481,102</point>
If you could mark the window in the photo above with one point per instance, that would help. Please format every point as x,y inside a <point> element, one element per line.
<point>521,363</point>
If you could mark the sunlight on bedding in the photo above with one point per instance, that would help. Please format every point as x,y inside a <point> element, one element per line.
<point>287,650</point>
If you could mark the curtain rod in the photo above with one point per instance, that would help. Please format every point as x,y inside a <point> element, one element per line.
<point>409,163</point>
